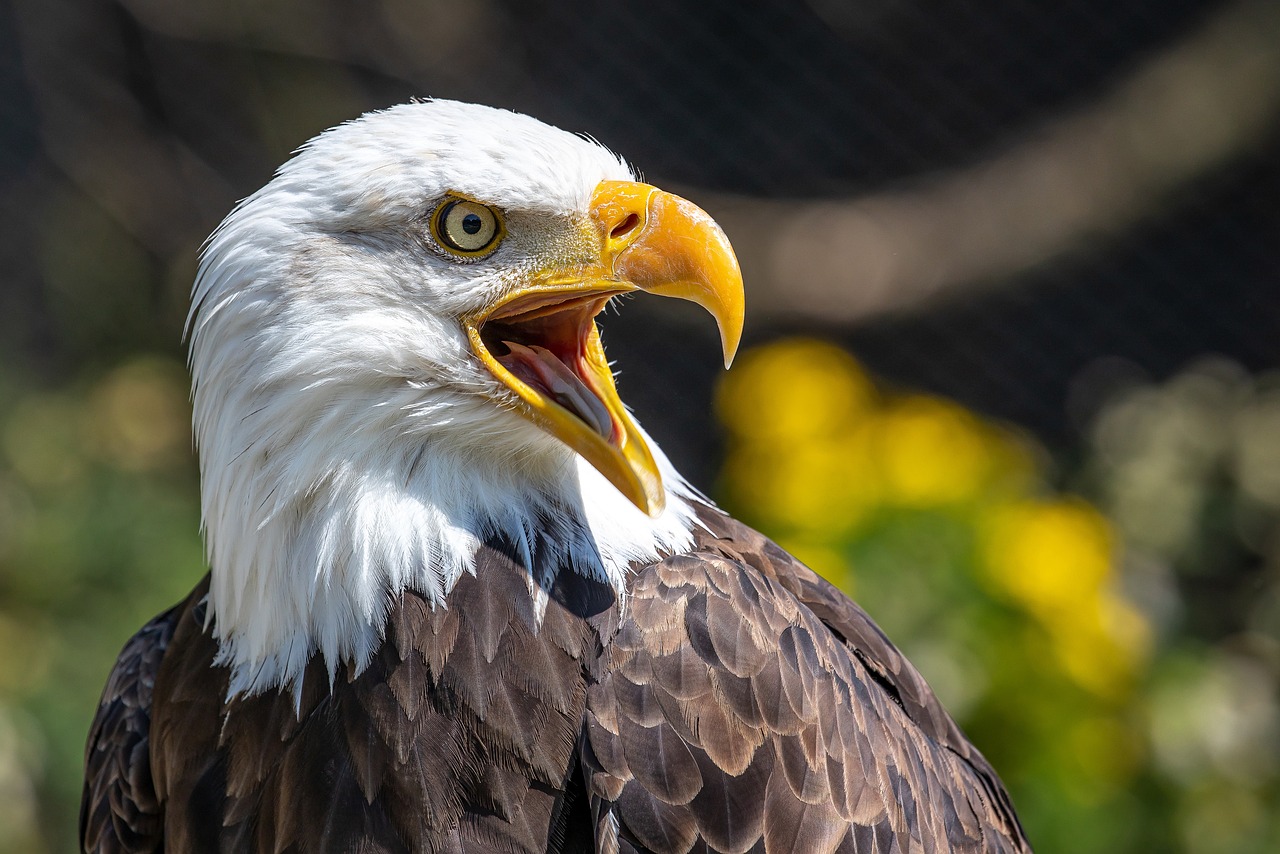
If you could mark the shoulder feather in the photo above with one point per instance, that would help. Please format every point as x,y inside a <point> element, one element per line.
<point>119,810</point>
<point>748,705</point>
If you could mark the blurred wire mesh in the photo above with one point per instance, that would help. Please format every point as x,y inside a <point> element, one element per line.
<point>1040,244</point>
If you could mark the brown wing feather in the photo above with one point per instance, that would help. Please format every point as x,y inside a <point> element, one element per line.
<point>807,730</point>
<point>742,705</point>
<point>460,735</point>
<point>119,811</point>
<point>868,643</point>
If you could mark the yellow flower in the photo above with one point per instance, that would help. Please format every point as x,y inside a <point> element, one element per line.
<point>931,452</point>
<point>792,391</point>
<point>822,486</point>
<point>814,452</point>
<point>1048,555</point>
<point>1101,644</point>
<point>1055,559</point>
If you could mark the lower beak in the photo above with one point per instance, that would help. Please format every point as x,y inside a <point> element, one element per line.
<point>542,343</point>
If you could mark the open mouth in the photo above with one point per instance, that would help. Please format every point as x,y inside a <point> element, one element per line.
<point>550,343</point>
<point>542,346</point>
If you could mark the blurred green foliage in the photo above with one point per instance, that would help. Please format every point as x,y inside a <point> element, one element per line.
<point>99,528</point>
<point>1061,639</point>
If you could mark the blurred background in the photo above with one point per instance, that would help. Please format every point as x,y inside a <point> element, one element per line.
<point>1012,374</point>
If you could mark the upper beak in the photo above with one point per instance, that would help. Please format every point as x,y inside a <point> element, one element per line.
<point>648,240</point>
<point>666,245</point>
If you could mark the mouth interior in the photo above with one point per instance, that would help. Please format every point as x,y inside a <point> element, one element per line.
<point>546,348</point>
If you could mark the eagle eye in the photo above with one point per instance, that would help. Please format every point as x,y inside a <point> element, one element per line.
<point>466,228</point>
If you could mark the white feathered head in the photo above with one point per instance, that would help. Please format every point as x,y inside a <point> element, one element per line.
<point>394,353</point>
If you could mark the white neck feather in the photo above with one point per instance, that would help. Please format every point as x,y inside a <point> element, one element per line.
<point>311,532</point>
<point>324,498</point>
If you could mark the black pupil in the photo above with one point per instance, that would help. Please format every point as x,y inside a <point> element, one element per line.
<point>471,223</point>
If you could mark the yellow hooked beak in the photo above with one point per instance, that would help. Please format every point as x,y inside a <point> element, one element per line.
<point>541,340</point>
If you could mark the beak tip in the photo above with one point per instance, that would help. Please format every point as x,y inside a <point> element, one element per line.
<point>730,339</point>
<point>730,349</point>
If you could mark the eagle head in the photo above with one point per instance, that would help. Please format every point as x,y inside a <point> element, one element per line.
<point>394,357</point>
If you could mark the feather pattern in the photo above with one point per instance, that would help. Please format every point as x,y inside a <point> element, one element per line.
<point>780,719</point>
<point>807,729</point>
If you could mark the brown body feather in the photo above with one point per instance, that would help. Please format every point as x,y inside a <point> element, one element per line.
<point>737,703</point>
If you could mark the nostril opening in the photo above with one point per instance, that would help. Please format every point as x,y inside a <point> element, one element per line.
<point>625,227</point>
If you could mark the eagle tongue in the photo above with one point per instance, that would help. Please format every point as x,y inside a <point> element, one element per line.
<point>539,367</point>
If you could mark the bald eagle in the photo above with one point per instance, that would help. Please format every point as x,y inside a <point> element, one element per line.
<point>459,601</point>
